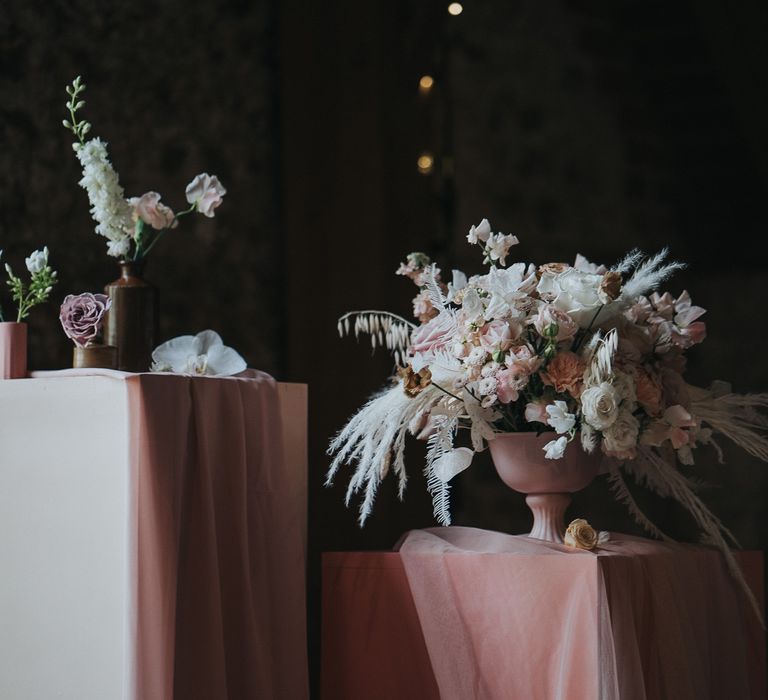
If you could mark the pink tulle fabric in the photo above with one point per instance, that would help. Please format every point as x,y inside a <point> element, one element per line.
<point>511,617</point>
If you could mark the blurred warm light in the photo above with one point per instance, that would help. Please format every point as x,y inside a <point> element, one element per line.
<point>425,163</point>
<point>455,9</point>
<point>426,82</point>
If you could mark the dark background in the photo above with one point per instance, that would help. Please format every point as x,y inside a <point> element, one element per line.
<point>580,126</point>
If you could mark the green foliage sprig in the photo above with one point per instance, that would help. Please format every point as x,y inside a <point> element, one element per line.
<point>42,279</point>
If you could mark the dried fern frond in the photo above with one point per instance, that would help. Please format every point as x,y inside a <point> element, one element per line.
<point>438,445</point>
<point>436,295</point>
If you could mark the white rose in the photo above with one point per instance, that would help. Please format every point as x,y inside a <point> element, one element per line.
<point>574,292</point>
<point>622,435</point>
<point>600,405</point>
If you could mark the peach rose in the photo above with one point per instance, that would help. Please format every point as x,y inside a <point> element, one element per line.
<point>648,390</point>
<point>580,535</point>
<point>566,373</point>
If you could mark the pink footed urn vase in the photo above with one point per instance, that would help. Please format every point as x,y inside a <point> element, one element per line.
<point>548,483</point>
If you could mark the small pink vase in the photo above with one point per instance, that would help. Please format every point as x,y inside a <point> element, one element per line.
<point>13,350</point>
<point>548,483</point>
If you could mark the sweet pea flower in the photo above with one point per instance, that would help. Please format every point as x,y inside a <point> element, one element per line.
<point>536,412</point>
<point>499,245</point>
<point>481,232</point>
<point>559,418</point>
<point>151,212</point>
<point>555,449</point>
<point>206,192</point>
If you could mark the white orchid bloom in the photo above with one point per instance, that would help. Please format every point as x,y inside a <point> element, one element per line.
<point>201,354</point>
<point>559,418</point>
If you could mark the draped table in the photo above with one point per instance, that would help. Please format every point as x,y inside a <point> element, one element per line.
<point>465,614</point>
<point>152,537</point>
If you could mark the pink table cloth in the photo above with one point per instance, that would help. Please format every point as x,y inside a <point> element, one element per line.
<point>215,535</point>
<point>505,616</point>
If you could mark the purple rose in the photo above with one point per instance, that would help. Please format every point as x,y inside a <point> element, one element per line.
<point>81,316</point>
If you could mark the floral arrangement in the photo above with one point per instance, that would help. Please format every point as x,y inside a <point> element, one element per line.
<point>592,355</point>
<point>201,354</point>
<point>82,317</point>
<point>42,279</point>
<point>132,226</point>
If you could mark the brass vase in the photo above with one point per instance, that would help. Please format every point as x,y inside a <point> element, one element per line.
<point>131,322</point>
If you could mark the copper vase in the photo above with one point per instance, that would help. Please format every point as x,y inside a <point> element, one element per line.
<point>131,321</point>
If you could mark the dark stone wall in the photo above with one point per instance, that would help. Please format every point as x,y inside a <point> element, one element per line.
<point>175,89</point>
<point>601,127</point>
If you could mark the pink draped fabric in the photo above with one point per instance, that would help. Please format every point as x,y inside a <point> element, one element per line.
<point>372,645</point>
<point>218,521</point>
<point>511,617</point>
<point>220,570</point>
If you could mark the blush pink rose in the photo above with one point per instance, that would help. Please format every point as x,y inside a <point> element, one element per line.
<point>151,212</point>
<point>433,335</point>
<point>206,192</point>
<point>550,316</point>
<point>498,335</point>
